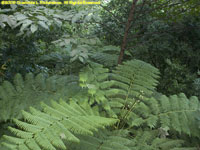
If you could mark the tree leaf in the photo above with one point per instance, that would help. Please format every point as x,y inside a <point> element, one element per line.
<point>19,23</point>
<point>43,18</point>
<point>20,17</point>
<point>57,16</point>
<point>76,17</point>
<point>34,28</point>
<point>11,21</point>
<point>74,58</point>
<point>88,18</point>
<point>74,52</point>
<point>96,18</point>
<point>26,23</point>
<point>58,22</point>
<point>3,18</point>
<point>13,6</point>
<point>2,25</point>
<point>81,59</point>
<point>43,24</point>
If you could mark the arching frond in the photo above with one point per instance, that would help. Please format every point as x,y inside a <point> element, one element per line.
<point>31,91</point>
<point>49,128</point>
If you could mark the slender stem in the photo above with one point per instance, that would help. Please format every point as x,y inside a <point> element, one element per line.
<point>126,99</point>
<point>132,107</point>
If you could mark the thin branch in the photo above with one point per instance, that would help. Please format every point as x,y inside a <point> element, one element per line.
<point>120,21</point>
<point>109,30</point>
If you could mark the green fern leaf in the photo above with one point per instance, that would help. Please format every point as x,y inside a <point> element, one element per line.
<point>31,91</point>
<point>47,129</point>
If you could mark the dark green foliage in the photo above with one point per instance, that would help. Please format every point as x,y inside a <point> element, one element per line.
<point>177,78</point>
<point>31,91</point>
<point>196,85</point>
<point>104,140</point>
<point>27,33</point>
<point>153,140</point>
<point>59,42</point>
<point>174,52</point>
<point>107,55</point>
<point>181,114</point>
<point>157,34</point>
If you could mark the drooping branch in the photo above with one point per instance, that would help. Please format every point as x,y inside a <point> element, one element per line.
<point>128,24</point>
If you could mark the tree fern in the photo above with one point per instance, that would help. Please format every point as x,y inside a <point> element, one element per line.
<point>141,139</point>
<point>151,140</point>
<point>178,113</point>
<point>49,128</point>
<point>134,79</point>
<point>92,77</point>
<point>29,92</point>
<point>175,113</point>
<point>106,55</point>
<point>103,140</point>
<point>129,93</point>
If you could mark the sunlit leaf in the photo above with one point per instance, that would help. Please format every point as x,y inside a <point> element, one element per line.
<point>20,17</point>
<point>34,28</point>
<point>43,24</point>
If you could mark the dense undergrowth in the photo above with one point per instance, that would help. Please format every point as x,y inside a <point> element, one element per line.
<point>62,86</point>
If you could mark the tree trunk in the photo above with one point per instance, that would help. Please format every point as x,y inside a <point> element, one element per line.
<point>128,24</point>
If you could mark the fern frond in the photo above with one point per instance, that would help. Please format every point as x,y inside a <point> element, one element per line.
<point>48,128</point>
<point>92,77</point>
<point>103,140</point>
<point>128,93</point>
<point>29,92</point>
<point>150,140</point>
<point>178,113</point>
<point>134,80</point>
<point>108,60</point>
<point>107,56</point>
<point>136,76</point>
